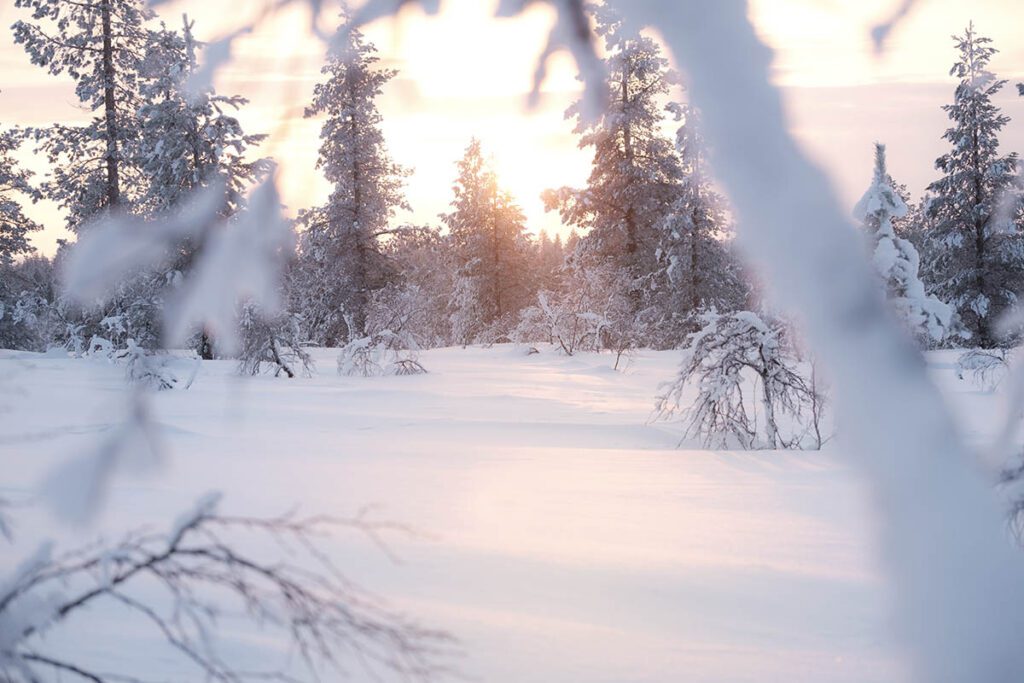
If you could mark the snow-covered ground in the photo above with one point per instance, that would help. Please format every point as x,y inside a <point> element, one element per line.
<point>563,535</point>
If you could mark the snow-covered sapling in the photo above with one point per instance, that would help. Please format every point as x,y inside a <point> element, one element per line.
<point>731,354</point>
<point>271,342</point>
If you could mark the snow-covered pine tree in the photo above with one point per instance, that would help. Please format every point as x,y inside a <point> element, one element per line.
<point>340,248</point>
<point>17,300</point>
<point>189,141</point>
<point>100,44</point>
<point>975,259</point>
<point>635,172</point>
<point>550,260</point>
<point>896,259</point>
<point>15,226</point>
<point>491,250</point>
<point>701,270</point>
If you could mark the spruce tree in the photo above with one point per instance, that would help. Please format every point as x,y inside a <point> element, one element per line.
<point>100,44</point>
<point>15,226</point>
<point>635,172</point>
<point>342,262</point>
<point>975,255</point>
<point>702,272</point>
<point>189,140</point>
<point>488,241</point>
<point>896,260</point>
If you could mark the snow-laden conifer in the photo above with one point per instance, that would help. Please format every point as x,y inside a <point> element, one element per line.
<point>975,255</point>
<point>189,137</point>
<point>635,172</point>
<point>896,259</point>
<point>100,44</point>
<point>15,185</point>
<point>491,252</point>
<point>341,255</point>
<point>701,271</point>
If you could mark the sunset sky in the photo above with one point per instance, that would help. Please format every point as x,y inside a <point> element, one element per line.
<point>464,73</point>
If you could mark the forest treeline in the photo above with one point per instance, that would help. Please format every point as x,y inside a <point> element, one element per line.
<point>650,261</point>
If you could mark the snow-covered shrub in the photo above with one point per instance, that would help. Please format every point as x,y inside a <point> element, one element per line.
<point>384,353</point>
<point>148,369</point>
<point>143,368</point>
<point>732,354</point>
<point>986,367</point>
<point>272,341</point>
<point>419,301</point>
<point>404,311</point>
<point>592,311</point>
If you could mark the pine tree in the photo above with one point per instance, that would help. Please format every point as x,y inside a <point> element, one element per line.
<point>15,226</point>
<point>550,259</point>
<point>896,260</point>
<point>488,241</point>
<point>101,45</point>
<point>702,272</point>
<point>976,260</point>
<point>189,140</point>
<point>341,255</point>
<point>635,172</point>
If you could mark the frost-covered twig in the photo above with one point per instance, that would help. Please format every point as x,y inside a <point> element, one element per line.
<point>200,570</point>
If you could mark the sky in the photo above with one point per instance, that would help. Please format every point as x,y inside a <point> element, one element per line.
<point>464,73</point>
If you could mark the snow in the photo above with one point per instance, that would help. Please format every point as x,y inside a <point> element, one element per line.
<point>561,536</point>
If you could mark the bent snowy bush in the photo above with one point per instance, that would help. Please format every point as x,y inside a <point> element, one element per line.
<point>746,370</point>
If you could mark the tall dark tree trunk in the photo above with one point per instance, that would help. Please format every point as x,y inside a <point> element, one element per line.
<point>695,297</point>
<point>110,108</point>
<point>627,144</point>
<point>982,325</point>
<point>359,297</point>
<point>205,346</point>
<point>495,253</point>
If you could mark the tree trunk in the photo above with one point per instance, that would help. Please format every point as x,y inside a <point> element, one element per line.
<point>110,110</point>
<point>359,296</point>
<point>981,324</point>
<point>695,297</point>
<point>495,255</point>
<point>771,427</point>
<point>205,346</point>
